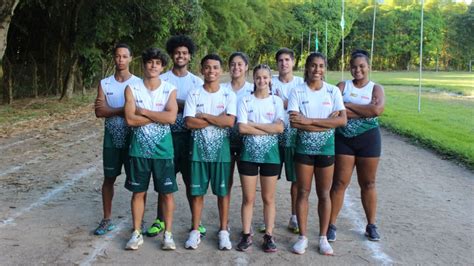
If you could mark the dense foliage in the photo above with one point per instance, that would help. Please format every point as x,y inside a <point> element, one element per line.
<point>56,47</point>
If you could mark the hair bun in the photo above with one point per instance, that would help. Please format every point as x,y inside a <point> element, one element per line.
<point>360,52</point>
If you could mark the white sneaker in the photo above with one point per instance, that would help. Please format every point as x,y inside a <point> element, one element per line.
<point>300,246</point>
<point>193,240</point>
<point>324,247</point>
<point>168,242</point>
<point>224,240</point>
<point>293,225</point>
<point>135,241</point>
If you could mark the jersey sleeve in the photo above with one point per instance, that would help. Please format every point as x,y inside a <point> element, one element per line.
<point>293,101</point>
<point>198,81</point>
<point>231,108</point>
<point>280,110</point>
<point>242,114</point>
<point>190,105</point>
<point>338,102</point>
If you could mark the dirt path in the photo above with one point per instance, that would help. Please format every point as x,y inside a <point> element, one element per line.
<point>50,181</point>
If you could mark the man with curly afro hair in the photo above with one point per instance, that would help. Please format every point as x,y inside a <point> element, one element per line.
<point>180,48</point>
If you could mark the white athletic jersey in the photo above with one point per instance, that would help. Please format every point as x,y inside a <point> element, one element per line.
<point>352,94</point>
<point>315,104</point>
<point>152,140</point>
<point>184,85</point>
<point>362,96</point>
<point>210,144</point>
<point>114,90</point>
<point>288,137</point>
<point>260,148</point>
<point>262,111</point>
<point>201,101</point>
<point>247,89</point>
<point>116,131</point>
<point>283,89</point>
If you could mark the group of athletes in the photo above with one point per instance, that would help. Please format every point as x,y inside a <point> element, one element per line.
<point>175,122</point>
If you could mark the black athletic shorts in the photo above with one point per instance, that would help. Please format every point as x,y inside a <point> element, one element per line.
<point>266,169</point>
<point>367,144</point>
<point>319,161</point>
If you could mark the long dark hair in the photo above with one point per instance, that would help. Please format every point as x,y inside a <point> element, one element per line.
<point>309,59</point>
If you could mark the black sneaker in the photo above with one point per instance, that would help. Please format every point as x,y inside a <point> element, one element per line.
<point>331,234</point>
<point>245,242</point>
<point>371,232</point>
<point>269,244</point>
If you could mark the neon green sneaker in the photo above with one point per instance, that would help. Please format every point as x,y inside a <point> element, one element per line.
<point>202,230</point>
<point>155,228</point>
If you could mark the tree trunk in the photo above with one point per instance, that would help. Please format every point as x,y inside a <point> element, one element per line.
<point>68,88</point>
<point>7,82</point>
<point>34,76</point>
<point>6,13</point>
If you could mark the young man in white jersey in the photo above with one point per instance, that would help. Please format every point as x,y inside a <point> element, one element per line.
<point>109,105</point>
<point>209,112</point>
<point>150,108</point>
<point>180,48</point>
<point>282,85</point>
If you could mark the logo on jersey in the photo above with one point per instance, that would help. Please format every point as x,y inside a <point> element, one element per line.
<point>166,92</point>
<point>220,106</point>
<point>326,103</point>
<point>200,105</point>
<point>158,104</point>
<point>139,101</point>
<point>110,93</point>
<point>304,102</point>
<point>365,98</point>
<point>353,95</point>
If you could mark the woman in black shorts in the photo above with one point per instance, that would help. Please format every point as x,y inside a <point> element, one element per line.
<point>316,108</point>
<point>358,144</point>
<point>260,120</point>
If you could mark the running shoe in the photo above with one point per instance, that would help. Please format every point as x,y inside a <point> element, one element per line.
<point>155,228</point>
<point>331,234</point>
<point>104,226</point>
<point>371,232</point>
<point>224,240</point>
<point>245,242</point>
<point>324,247</point>
<point>202,230</point>
<point>300,246</point>
<point>293,225</point>
<point>135,241</point>
<point>193,240</point>
<point>269,243</point>
<point>262,228</point>
<point>168,242</point>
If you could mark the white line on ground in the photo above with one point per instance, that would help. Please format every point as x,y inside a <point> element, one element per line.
<point>359,226</point>
<point>51,194</point>
<point>17,142</point>
<point>95,134</point>
<point>100,249</point>
<point>18,167</point>
<point>38,135</point>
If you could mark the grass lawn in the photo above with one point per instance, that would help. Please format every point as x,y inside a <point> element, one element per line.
<point>445,123</point>
<point>455,82</point>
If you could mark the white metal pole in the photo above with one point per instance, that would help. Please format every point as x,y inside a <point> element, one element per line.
<point>421,57</point>
<point>372,44</point>
<point>309,42</point>
<point>326,39</point>
<point>342,38</point>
